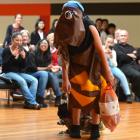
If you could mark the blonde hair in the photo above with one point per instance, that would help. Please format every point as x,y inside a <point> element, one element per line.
<point>25,31</point>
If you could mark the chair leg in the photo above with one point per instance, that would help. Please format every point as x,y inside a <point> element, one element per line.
<point>8,96</point>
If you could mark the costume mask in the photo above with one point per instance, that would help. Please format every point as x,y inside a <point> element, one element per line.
<point>70,29</point>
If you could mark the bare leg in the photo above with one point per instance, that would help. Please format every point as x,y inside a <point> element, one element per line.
<point>95,125</point>
<point>75,128</point>
<point>95,117</point>
<point>76,116</point>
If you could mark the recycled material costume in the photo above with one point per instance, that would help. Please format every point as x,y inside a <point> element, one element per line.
<point>75,43</point>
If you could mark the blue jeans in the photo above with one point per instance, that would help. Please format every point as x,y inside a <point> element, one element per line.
<point>54,83</point>
<point>42,77</point>
<point>122,79</point>
<point>23,80</point>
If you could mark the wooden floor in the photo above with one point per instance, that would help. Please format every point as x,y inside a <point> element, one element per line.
<point>17,123</point>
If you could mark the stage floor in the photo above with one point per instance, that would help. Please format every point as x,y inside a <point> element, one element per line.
<point>17,123</point>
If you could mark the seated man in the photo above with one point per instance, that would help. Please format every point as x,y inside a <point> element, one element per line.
<point>126,58</point>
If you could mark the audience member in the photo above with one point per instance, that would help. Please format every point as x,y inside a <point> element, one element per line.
<point>126,58</point>
<point>41,61</point>
<point>42,76</point>
<point>111,57</point>
<point>14,60</point>
<point>111,29</point>
<point>26,41</point>
<point>39,32</point>
<point>54,23</point>
<point>98,24</point>
<point>15,27</point>
<point>116,36</point>
<point>56,68</point>
<point>103,33</point>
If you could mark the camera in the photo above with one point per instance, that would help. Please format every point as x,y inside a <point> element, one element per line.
<point>21,48</point>
<point>111,47</point>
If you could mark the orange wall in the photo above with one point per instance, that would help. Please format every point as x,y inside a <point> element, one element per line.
<point>43,10</point>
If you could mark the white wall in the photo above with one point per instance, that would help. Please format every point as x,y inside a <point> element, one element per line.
<point>130,23</point>
<point>28,23</point>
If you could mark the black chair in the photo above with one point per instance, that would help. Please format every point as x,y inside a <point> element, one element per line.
<point>7,85</point>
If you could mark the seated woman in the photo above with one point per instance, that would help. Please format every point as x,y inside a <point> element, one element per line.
<point>111,56</point>
<point>26,41</point>
<point>14,59</point>
<point>56,67</point>
<point>40,60</point>
<point>42,76</point>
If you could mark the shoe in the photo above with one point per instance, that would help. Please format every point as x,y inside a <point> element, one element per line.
<point>44,105</point>
<point>16,99</point>
<point>137,99</point>
<point>57,100</point>
<point>41,101</point>
<point>31,106</point>
<point>64,96</point>
<point>74,131</point>
<point>95,134</point>
<point>129,99</point>
<point>17,96</point>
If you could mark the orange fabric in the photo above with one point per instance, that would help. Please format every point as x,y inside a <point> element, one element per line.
<point>82,99</point>
<point>80,78</point>
<point>84,82</point>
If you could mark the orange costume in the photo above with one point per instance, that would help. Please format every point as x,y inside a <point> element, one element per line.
<point>78,46</point>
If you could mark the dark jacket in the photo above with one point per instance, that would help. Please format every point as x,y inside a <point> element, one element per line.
<point>122,51</point>
<point>37,59</point>
<point>35,38</point>
<point>10,63</point>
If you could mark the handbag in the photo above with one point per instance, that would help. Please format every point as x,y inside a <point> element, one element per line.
<point>109,108</point>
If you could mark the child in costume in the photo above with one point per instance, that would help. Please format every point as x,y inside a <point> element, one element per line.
<point>83,63</point>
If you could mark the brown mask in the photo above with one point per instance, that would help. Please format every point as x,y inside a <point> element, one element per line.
<point>70,29</point>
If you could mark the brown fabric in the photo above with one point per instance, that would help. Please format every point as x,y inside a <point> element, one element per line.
<point>84,67</point>
<point>85,80</point>
<point>70,28</point>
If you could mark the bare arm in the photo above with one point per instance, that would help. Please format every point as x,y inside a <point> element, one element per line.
<point>41,68</point>
<point>44,68</point>
<point>66,83</point>
<point>101,53</point>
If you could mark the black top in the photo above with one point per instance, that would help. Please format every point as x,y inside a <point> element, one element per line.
<point>10,63</point>
<point>122,51</point>
<point>35,38</point>
<point>38,59</point>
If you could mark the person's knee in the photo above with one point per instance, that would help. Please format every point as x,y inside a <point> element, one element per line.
<point>21,82</point>
<point>34,80</point>
<point>52,75</point>
<point>43,74</point>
